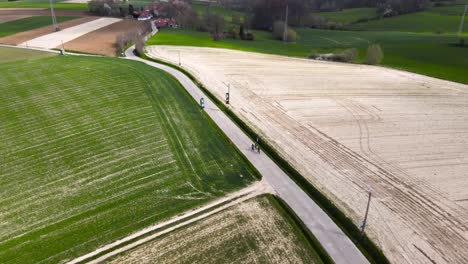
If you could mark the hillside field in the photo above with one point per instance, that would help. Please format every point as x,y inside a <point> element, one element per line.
<point>42,4</point>
<point>14,54</point>
<point>253,231</point>
<point>428,54</point>
<point>29,23</point>
<point>96,148</point>
<point>436,19</point>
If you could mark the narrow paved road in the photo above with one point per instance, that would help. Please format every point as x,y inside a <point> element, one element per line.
<point>340,248</point>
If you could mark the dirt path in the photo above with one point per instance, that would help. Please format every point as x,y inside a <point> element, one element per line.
<point>24,37</point>
<point>55,39</point>
<point>256,189</point>
<point>351,127</point>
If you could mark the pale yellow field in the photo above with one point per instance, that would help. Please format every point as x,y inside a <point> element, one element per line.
<point>349,128</point>
<point>251,232</point>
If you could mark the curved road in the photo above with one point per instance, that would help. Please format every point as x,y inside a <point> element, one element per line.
<point>340,248</point>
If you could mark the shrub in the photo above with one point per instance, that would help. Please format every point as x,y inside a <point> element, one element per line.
<point>235,19</point>
<point>233,33</point>
<point>278,32</point>
<point>291,35</point>
<point>375,54</point>
<point>249,36</point>
<point>104,7</point>
<point>462,42</point>
<point>314,56</point>
<point>439,31</point>
<point>278,29</point>
<point>348,55</point>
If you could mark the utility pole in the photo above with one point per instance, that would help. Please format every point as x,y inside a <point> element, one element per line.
<point>179,58</point>
<point>460,29</point>
<point>54,19</point>
<point>285,33</point>
<point>363,224</point>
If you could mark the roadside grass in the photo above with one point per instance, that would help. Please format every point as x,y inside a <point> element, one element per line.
<point>16,54</point>
<point>43,4</point>
<point>254,231</point>
<point>29,23</point>
<point>428,54</point>
<point>97,148</point>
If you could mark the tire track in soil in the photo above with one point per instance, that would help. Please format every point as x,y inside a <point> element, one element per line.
<point>405,197</point>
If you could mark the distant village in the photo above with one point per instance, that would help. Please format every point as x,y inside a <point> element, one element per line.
<point>154,12</point>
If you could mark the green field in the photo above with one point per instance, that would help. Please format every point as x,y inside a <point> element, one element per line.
<point>16,54</point>
<point>348,16</point>
<point>435,20</point>
<point>29,23</point>
<point>202,8</point>
<point>429,54</point>
<point>42,4</point>
<point>96,148</point>
<point>254,231</point>
<point>445,19</point>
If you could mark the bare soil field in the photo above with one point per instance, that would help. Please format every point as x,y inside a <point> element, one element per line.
<point>348,128</point>
<point>23,37</point>
<point>251,232</point>
<point>102,41</point>
<point>56,39</point>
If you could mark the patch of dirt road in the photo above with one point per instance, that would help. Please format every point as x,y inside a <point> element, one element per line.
<point>348,128</point>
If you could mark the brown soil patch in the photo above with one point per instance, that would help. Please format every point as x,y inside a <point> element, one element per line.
<point>31,34</point>
<point>6,18</point>
<point>102,41</point>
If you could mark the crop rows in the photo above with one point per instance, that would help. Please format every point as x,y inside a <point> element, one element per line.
<point>93,149</point>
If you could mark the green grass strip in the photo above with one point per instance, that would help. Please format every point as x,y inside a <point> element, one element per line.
<point>57,6</point>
